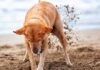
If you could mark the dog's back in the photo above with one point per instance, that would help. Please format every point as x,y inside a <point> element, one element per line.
<point>43,10</point>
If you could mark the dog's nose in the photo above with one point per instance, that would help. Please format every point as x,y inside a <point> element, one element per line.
<point>35,50</point>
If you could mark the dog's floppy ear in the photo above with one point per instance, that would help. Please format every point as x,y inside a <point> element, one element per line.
<point>48,29</point>
<point>20,31</point>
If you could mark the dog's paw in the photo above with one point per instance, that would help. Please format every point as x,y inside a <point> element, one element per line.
<point>69,64</point>
<point>25,60</point>
<point>39,69</point>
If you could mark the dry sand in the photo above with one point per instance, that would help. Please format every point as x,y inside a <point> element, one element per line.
<point>85,56</point>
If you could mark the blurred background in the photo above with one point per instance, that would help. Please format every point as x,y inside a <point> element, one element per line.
<point>12,14</point>
<point>83,39</point>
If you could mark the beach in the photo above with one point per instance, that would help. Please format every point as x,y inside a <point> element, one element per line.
<point>11,39</point>
<point>81,15</point>
<point>86,35</point>
<point>84,56</point>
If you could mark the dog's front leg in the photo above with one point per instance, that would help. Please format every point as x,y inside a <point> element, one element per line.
<point>26,53</point>
<point>42,59</point>
<point>31,58</point>
<point>43,55</point>
<point>25,56</point>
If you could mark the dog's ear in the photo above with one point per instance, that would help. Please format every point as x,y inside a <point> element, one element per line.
<point>48,29</point>
<point>20,31</point>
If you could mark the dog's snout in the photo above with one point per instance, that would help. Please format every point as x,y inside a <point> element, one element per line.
<point>36,50</point>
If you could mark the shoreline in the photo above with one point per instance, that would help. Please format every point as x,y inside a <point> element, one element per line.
<point>11,39</point>
<point>90,35</point>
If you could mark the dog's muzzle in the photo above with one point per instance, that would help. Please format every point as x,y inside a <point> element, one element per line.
<point>37,50</point>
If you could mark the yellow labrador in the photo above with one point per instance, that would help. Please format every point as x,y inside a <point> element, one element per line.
<point>42,19</point>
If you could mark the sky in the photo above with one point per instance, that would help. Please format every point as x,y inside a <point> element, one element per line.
<point>88,10</point>
<point>12,12</point>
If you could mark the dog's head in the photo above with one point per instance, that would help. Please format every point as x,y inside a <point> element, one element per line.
<point>34,32</point>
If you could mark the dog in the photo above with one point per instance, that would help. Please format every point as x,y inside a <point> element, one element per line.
<point>42,19</point>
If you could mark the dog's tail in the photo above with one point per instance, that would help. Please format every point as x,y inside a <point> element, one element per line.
<point>41,0</point>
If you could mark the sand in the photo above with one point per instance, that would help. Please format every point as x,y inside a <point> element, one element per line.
<point>84,56</point>
<point>11,39</point>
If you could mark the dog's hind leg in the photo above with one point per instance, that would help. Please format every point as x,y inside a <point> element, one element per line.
<point>59,32</point>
